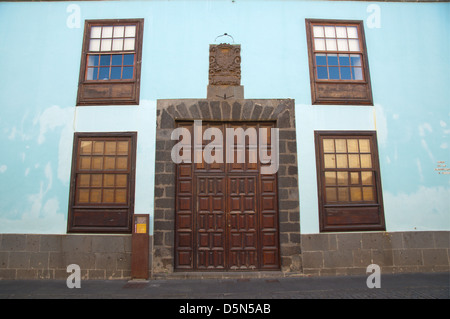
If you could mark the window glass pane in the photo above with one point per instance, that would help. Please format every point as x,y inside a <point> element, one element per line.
<point>344,59</point>
<point>98,147</point>
<point>122,148</point>
<point>328,145</point>
<point>110,162</point>
<point>356,194</point>
<point>93,60</point>
<point>330,161</point>
<point>85,147</point>
<point>107,32</point>
<point>128,59</point>
<point>329,32</point>
<point>85,162</point>
<point>83,195</point>
<point>130,31</point>
<point>108,196</point>
<point>94,45</point>
<point>354,178</point>
<point>119,31</point>
<point>92,74</point>
<point>321,59</point>
<point>110,148</point>
<point>334,73</point>
<point>332,59</point>
<point>104,74</point>
<point>128,44</point>
<point>96,180</point>
<point>341,146</point>
<point>342,45</point>
<point>117,45</point>
<point>355,59</point>
<point>352,32</point>
<point>319,44</point>
<point>331,194</point>
<point>342,178</point>
<point>121,180</point>
<point>366,161</point>
<point>352,146</point>
<point>106,45</point>
<point>121,195</point>
<point>364,146</point>
<point>330,178</point>
<point>343,194</point>
<point>341,161</point>
<point>331,44</point>
<point>122,162</point>
<point>318,31</point>
<point>96,32</point>
<point>345,73</point>
<point>83,180</point>
<point>105,60</point>
<point>97,162</point>
<point>353,45</point>
<point>96,196</point>
<point>116,72</point>
<point>341,32</point>
<point>322,73</point>
<point>366,178</point>
<point>127,72</point>
<point>108,180</point>
<point>368,193</point>
<point>116,59</point>
<point>357,74</point>
<point>353,161</point>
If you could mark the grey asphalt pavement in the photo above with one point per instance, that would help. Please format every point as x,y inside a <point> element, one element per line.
<point>398,286</point>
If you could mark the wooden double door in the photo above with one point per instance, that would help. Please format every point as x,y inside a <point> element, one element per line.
<point>226,213</point>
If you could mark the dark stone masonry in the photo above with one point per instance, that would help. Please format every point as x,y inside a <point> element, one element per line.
<point>281,111</point>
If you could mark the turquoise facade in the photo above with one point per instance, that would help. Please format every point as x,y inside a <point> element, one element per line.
<point>408,46</point>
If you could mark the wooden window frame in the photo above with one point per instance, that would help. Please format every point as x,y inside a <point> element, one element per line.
<point>110,92</point>
<point>356,215</point>
<point>339,91</point>
<point>100,218</point>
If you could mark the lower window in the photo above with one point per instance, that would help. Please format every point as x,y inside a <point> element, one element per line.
<point>102,182</point>
<point>349,183</point>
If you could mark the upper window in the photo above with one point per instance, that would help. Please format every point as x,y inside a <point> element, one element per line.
<point>349,181</point>
<point>110,65</point>
<point>102,184</point>
<point>338,62</point>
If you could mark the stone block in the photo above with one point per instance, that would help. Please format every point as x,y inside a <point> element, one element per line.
<point>442,239</point>
<point>19,259</point>
<point>13,242</point>
<point>407,257</point>
<point>418,240</point>
<point>435,256</point>
<point>349,241</point>
<point>312,259</point>
<point>383,257</point>
<point>113,244</point>
<point>338,259</point>
<point>38,260</point>
<point>315,242</point>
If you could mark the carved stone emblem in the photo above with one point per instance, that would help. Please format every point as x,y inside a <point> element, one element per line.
<point>224,64</point>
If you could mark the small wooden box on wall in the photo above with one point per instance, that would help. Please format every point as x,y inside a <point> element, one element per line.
<point>140,247</point>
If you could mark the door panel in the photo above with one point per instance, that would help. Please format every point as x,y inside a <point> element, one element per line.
<point>226,214</point>
<point>242,223</point>
<point>211,222</point>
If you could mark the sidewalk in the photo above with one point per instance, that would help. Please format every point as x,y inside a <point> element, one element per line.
<point>399,286</point>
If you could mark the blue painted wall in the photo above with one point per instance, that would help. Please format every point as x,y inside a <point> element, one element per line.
<point>40,52</point>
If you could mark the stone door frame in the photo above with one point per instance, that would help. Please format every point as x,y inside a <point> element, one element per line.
<point>282,111</point>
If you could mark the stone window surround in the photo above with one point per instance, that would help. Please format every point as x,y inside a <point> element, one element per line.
<point>279,110</point>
